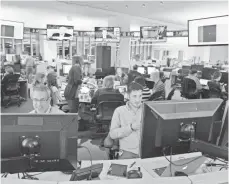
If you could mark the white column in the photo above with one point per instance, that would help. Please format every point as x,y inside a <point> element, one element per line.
<point>124,52</point>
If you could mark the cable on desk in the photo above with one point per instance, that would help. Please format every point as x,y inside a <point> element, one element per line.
<point>190,180</point>
<point>90,159</point>
<point>180,164</point>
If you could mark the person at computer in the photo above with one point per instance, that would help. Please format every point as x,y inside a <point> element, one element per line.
<point>71,91</point>
<point>126,123</point>
<point>159,86</point>
<point>193,75</point>
<point>215,86</point>
<point>146,92</point>
<point>121,77</point>
<point>54,88</point>
<point>41,101</point>
<point>9,71</point>
<point>133,74</point>
<point>108,88</point>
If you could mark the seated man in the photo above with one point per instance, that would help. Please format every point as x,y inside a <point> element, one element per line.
<point>126,123</point>
<point>41,101</point>
<point>159,86</point>
<point>108,84</point>
<point>133,74</point>
<point>193,75</point>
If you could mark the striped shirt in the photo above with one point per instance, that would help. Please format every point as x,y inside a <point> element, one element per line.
<point>146,94</point>
<point>159,86</point>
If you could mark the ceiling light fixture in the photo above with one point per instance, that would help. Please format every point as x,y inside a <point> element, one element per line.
<point>161,2</point>
<point>126,6</point>
<point>143,5</point>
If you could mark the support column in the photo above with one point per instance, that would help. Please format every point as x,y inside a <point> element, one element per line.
<point>124,47</point>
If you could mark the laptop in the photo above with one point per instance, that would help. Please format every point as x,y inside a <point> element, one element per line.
<point>190,168</point>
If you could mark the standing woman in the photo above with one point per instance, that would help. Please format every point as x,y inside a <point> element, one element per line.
<point>71,91</point>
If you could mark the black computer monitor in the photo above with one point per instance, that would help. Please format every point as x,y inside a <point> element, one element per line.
<point>223,136</point>
<point>187,67</point>
<point>164,123</point>
<point>197,67</point>
<point>57,137</point>
<point>224,78</point>
<point>208,72</point>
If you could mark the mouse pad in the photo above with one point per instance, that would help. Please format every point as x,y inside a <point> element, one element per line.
<point>117,170</point>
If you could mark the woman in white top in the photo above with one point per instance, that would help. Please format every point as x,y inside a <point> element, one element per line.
<point>53,86</point>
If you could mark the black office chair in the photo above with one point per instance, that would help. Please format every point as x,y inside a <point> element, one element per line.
<point>11,89</point>
<point>188,89</point>
<point>214,90</point>
<point>103,111</point>
<point>158,96</point>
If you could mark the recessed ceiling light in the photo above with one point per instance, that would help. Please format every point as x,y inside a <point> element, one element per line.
<point>161,2</point>
<point>126,6</point>
<point>143,5</point>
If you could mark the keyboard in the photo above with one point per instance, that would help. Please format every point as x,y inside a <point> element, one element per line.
<point>159,171</point>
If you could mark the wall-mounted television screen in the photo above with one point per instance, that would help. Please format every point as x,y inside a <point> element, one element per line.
<point>12,29</point>
<point>107,34</point>
<point>208,31</point>
<point>153,33</point>
<point>59,32</point>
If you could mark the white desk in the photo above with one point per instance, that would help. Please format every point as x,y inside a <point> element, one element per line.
<point>146,165</point>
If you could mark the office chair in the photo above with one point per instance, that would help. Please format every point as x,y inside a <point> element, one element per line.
<point>188,89</point>
<point>11,88</point>
<point>113,146</point>
<point>149,84</point>
<point>158,96</point>
<point>103,112</point>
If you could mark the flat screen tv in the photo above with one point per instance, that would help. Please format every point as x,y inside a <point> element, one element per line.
<point>59,32</point>
<point>153,33</point>
<point>107,34</point>
<point>208,31</point>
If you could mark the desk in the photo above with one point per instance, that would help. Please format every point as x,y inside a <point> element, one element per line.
<point>147,165</point>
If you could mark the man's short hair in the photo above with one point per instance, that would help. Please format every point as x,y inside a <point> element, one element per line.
<point>140,80</point>
<point>134,86</point>
<point>43,88</point>
<point>193,71</point>
<point>108,81</point>
<point>9,69</point>
<point>135,67</point>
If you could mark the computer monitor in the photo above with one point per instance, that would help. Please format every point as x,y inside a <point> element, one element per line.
<point>223,135</point>
<point>187,67</point>
<point>168,123</point>
<point>66,69</point>
<point>197,67</point>
<point>141,69</point>
<point>57,137</point>
<point>208,72</point>
<point>150,69</point>
<point>224,78</point>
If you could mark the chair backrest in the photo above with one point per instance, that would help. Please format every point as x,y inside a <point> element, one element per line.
<point>105,109</point>
<point>110,97</point>
<point>188,87</point>
<point>11,82</point>
<point>150,84</point>
<point>157,96</point>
